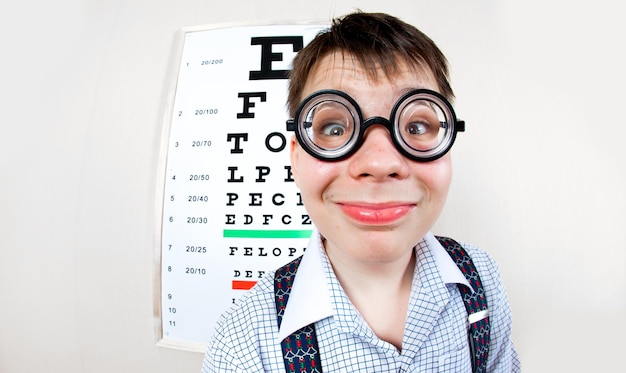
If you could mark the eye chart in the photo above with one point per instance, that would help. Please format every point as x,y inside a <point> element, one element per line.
<point>230,207</point>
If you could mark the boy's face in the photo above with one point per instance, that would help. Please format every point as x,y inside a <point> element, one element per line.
<point>374,206</point>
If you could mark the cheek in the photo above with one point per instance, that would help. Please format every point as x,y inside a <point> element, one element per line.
<point>437,176</point>
<point>311,175</point>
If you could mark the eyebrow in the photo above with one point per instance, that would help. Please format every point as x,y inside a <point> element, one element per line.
<point>406,90</point>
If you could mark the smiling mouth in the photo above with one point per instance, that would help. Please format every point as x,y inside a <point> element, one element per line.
<point>376,214</point>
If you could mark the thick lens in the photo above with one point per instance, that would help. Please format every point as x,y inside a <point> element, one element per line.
<point>327,125</point>
<point>422,125</point>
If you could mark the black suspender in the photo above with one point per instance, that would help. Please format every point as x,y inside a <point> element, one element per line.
<point>475,304</point>
<point>300,349</point>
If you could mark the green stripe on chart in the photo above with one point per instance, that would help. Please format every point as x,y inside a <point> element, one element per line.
<point>256,233</point>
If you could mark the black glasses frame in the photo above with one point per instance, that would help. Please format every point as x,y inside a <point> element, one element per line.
<point>298,125</point>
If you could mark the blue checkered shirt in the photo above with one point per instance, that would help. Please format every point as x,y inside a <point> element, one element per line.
<point>247,338</point>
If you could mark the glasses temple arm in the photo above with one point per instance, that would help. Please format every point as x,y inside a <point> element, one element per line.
<point>459,125</point>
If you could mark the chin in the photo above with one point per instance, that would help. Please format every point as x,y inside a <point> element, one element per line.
<point>383,246</point>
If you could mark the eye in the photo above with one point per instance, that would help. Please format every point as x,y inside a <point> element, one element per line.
<point>420,134</point>
<point>333,129</point>
<point>417,128</point>
<point>330,121</point>
<point>419,123</point>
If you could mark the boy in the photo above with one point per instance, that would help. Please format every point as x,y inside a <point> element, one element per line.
<point>369,101</point>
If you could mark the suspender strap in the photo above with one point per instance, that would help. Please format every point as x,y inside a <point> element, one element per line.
<point>475,304</point>
<point>300,350</point>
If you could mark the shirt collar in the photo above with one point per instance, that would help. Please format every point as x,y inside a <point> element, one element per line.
<point>310,299</point>
<point>449,271</point>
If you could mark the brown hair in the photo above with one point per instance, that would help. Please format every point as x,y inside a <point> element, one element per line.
<point>373,40</point>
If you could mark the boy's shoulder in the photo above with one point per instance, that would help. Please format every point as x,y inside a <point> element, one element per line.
<point>257,303</point>
<point>483,261</point>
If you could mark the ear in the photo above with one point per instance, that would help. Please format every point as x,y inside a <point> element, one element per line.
<point>294,154</point>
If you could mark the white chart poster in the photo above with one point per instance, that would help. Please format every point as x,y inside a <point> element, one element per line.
<point>230,208</point>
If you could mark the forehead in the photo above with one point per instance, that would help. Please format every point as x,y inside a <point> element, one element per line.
<point>345,73</point>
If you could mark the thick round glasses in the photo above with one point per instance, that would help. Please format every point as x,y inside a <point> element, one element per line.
<point>329,125</point>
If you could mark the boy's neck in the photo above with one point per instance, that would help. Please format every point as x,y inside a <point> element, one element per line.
<point>392,275</point>
<point>379,291</point>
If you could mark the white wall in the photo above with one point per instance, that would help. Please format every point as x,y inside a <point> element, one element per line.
<point>539,177</point>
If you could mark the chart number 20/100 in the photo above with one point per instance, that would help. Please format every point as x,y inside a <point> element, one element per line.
<point>205,111</point>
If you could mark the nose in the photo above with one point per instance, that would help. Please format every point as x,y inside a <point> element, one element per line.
<point>378,158</point>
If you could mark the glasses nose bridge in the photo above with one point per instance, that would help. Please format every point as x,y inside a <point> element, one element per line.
<point>377,120</point>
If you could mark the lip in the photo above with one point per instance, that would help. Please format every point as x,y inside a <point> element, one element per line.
<point>376,214</point>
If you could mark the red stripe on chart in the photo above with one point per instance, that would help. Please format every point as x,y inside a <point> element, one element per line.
<point>243,285</point>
